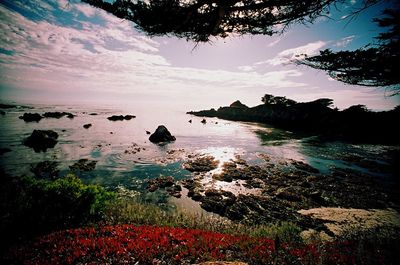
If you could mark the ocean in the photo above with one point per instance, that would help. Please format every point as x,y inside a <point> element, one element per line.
<point>126,159</point>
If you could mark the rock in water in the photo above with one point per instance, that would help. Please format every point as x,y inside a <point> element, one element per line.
<point>58,115</point>
<point>161,135</point>
<point>40,140</point>
<point>29,117</point>
<point>121,117</point>
<point>83,165</point>
<point>87,126</point>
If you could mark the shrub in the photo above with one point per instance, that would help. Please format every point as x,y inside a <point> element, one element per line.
<point>31,207</point>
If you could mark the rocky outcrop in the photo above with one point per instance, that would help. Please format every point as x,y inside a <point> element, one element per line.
<point>58,115</point>
<point>87,126</point>
<point>161,135</point>
<point>273,191</point>
<point>121,117</point>
<point>238,104</point>
<point>6,106</point>
<point>30,117</point>
<point>41,140</point>
<point>167,183</point>
<point>201,164</point>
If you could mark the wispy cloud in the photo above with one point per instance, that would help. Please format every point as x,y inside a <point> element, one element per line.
<point>87,10</point>
<point>273,43</point>
<point>342,43</point>
<point>246,68</point>
<point>286,56</point>
<point>111,57</point>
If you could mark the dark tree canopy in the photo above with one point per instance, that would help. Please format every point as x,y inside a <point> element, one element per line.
<point>198,20</point>
<point>374,66</point>
<point>268,99</point>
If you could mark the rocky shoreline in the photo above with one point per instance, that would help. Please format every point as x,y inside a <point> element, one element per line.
<point>271,192</point>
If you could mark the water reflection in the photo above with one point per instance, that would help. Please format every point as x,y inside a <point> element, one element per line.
<point>125,156</point>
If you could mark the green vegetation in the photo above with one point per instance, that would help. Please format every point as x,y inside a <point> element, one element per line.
<point>31,207</point>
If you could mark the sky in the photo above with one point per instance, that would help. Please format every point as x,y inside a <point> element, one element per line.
<point>59,51</point>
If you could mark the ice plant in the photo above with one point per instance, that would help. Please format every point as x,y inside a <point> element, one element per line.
<point>128,244</point>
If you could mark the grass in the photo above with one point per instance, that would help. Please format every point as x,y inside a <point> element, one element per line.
<point>131,211</point>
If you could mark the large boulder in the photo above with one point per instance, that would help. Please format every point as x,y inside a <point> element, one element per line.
<point>40,140</point>
<point>29,117</point>
<point>161,135</point>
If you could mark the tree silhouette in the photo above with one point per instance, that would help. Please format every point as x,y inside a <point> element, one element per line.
<point>198,20</point>
<point>368,66</point>
<point>268,99</point>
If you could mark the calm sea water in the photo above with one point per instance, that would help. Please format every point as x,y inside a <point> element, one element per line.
<point>120,162</point>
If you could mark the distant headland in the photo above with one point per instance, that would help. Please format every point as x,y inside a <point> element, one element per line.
<point>356,123</point>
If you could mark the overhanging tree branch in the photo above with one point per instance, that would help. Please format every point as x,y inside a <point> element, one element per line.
<point>374,66</point>
<point>198,20</point>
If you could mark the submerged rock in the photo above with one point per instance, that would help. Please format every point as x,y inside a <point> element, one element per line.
<point>29,117</point>
<point>121,117</point>
<point>4,150</point>
<point>160,182</point>
<point>46,170</point>
<point>41,140</point>
<point>84,165</point>
<point>2,112</point>
<point>87,126</point>
<point>161,135</point>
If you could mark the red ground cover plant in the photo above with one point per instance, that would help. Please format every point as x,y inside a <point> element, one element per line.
<point>128,244</point>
